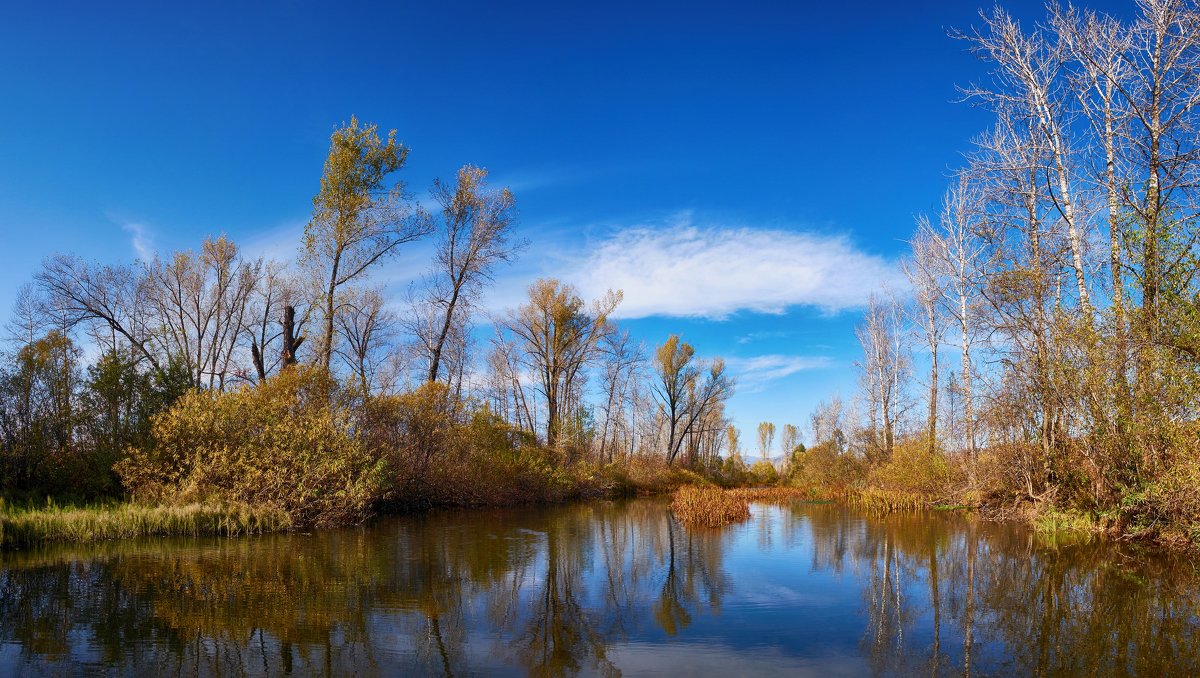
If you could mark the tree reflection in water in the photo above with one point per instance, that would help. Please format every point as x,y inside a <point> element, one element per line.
<point>604,588</point>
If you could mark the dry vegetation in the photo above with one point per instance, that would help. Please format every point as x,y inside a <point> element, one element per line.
<point>709,506</point>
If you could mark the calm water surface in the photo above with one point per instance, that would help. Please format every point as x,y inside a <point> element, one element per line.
<point>606,588</point>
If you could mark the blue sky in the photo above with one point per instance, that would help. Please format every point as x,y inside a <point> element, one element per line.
<point>746,171</point>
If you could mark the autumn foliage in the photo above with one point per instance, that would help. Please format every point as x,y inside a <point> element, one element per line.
<point>287,443</point>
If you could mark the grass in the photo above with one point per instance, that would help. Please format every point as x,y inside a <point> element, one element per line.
<point>25,527</point>
<point>709,506</point>
<point>1051,520</point>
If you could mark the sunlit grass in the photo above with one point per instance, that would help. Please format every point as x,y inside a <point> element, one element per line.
<point>26,526</point>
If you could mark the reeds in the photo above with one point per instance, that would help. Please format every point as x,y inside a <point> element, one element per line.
<point>876,499</point>
<point>23,527</point>
<point>709,506</point>
<point>772,495</point>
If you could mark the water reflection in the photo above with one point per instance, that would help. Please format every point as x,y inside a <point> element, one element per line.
<point>605,588</point>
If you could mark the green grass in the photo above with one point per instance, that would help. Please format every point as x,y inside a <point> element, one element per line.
<point>1051,521</point>
<point>952,507</point>
<point>21,527</point>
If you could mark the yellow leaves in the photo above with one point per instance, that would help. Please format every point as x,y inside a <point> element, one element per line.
<point>285,443</point>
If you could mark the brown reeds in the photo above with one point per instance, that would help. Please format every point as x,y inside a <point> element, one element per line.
<point>709,506</point>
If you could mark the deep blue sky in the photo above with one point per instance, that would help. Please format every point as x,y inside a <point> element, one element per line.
<point>681,124</point>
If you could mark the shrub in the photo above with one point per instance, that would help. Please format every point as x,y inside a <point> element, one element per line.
<point>286,443</point>
<point>763,472</point>
<point>1171,500</point>
<point>913,468</point>
<point>827,469</point>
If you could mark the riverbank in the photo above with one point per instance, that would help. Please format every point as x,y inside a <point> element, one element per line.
<point>1124,524</point>
<point>24,525</point>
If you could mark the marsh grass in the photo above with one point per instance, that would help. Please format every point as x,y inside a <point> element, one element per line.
<point>21,527</point>
<point>877,499</point>
<point>774,495</point>
<point>709,506</point>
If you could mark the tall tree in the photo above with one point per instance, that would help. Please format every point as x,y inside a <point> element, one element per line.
<point>766,439</point>
<point>687,391</point>
<point>366,325</point>
<point>200,302</point>
<point>885,366</point>
<point>925,274</point>
<point>476,236</point>
<point>359,217</point>
<point>956,249</point>
<point>111,295</point>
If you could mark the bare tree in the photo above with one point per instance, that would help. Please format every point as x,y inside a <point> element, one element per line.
<point>367,327</point>
<point>885,367</point>
<point>475,237</point>
<point>828,423</point>
<point>84,293</point>
<point>29,319</point>
<point>272,313</point>
<point>622,364</point>
<point>559,337</point>
<point>200,303</point>
<point>956,249</point>
<point>925,273</point>
<point>1029,83</point>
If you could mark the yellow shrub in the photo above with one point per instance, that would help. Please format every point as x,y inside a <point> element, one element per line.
<point>286,443</point>
<point>913,469</point>
<point>763,472</point>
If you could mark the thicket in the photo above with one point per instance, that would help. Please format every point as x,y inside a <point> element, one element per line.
<point>224,380</point>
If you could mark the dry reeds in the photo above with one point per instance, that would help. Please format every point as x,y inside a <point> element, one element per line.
<point>876,499</point>
<point>775,495</point>
<point>709,506</point>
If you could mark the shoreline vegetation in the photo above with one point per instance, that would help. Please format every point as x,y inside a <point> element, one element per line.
<point>696,502</point>
<point>25,527</point>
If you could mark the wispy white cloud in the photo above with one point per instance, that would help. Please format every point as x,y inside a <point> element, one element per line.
<point>756,372</point>
<point>760,336</point>
<point>682,269</point>
<point>140,239</point>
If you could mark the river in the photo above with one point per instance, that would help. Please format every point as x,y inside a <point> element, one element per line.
<point>606,588</point>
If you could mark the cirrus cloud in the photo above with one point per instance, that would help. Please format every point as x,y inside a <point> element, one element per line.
<point>684,270</point>
<point>755,373</point>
